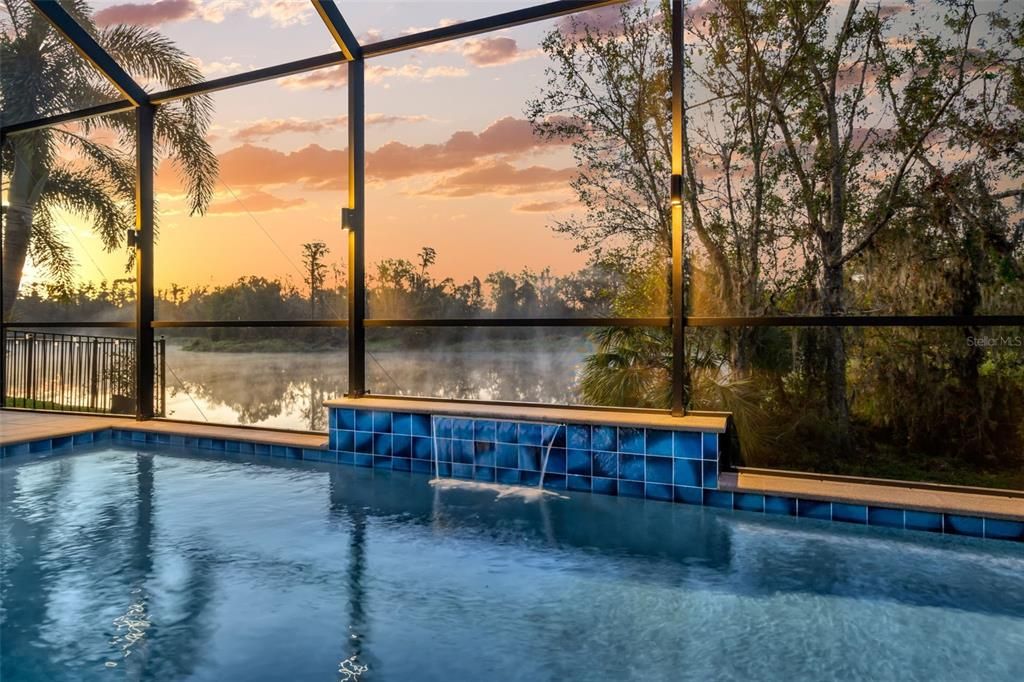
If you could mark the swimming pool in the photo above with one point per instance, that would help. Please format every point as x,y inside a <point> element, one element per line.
<point>157,563</point>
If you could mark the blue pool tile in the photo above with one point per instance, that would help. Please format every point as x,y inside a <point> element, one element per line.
<point>444,468</point>
<point>82,438</point>
<point>659,470</point>
<point>814,509</point>
<point>463,451</point>
<point>578,437</point>
<point>531,478</point>
<point>709,449</point>
<point>604,486</point>
<point>606,464</point>
<point>886,517</point>
<point>553,435</point>
<point>140,437</point>
<point>235,446</point>
<point>603,438</point>
<point>347,458</point>
<point>62,442</point>
<point>382,444</point>
<point>363,442</point>
<point>18,449</point>
<point>658,491</point>
<point>631,440</point>
<point>751,502</point>
<point>507,476</point>
<point>686,444</point>
<point>462,428</point>
<point>442,426</point>
<point>262,449</point>
<point>312,454</point>
<point>462,471</point>
<point>419,425</point>
<point>506,432</point>
<point>529,434</point>
<point>105,434</point>
<point>659,442</point>
<point>422,448</point>
<point>442,449</point>
<point>382,462</point>
<point>849,513</point>
<point>420,466</point>
<point>293,453</point>
<point>507,455</point>
<point>483,454</point>
<point>364,420</point>
<point>631,488</point>
<point>709,477</point>
<point>529,458</point>
<point>776,504</point>
<point>332,418</point>
<point>484,473</point>
<point>346,440</point>
<point>1004,529</point>
<point>382,422</point>
<point>347,419</point>
<point>401,446</point>
<point>401,423</point>
<point>579,483</point>
<point>922,520</point>
<point>687,472</point>
<point>363,460</point>
<point>556,461</point>
<point>688,495</point>
<point>484,429</point>
<point>578,462</point>
<point>401,464</point>
<point>179,441</point>
<point>554,481</point>
<point>631,467</point>
<point>721,499</point>
<point>956,524</point>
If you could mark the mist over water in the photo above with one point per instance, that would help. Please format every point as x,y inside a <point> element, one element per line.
<point>287,389</point>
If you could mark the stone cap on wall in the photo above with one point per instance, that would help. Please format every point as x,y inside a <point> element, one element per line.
<point>703,422</point>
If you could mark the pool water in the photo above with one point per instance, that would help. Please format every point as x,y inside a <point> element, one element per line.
<point>153,564</point>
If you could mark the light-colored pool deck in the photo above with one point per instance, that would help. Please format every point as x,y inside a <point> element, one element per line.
<point>905,496</point>
<point>19,426</point>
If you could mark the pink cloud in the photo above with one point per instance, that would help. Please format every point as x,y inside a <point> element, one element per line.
<point>254,202</point>
<point>507,137</point>
<point>269,127</point>
<point>149,14</point>
<point>545,206</point>
<point>502,178</point>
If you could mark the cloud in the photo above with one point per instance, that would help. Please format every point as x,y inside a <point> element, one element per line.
<point>253,202</point>
<point>334,77</point>
<point>279,12</point>
<point>502,178</point>
<point>480,161</point>
<point>508,136</point>
<point>266,128</point>
<point>159,12</point>
<point>489,51</point>
<point>545,206</point>
<point>603,20</point>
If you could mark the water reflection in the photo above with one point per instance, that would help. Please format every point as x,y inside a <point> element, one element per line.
<point>286,390</point>
<point>181,567</point>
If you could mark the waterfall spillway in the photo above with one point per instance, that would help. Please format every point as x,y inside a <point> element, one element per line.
<point>547,454</point>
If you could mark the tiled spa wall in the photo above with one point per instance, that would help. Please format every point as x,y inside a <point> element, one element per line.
<point>630,461</point>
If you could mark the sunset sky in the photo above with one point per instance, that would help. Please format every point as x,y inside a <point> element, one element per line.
<point>451,160</point>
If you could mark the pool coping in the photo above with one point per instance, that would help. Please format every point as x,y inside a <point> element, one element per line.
<point>553,414</point>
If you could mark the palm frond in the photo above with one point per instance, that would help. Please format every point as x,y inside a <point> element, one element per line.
<point>86,193</point>
<point>49,251</point>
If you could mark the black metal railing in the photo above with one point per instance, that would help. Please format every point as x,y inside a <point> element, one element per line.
<point>76,373</point>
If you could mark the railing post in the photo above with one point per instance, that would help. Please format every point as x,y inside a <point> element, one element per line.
<point>356,224</point>
<point>94,376</point>
<point>678,234</point>
<point>144,304</point>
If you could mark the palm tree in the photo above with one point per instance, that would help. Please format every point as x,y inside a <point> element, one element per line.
<point>61,168</point>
